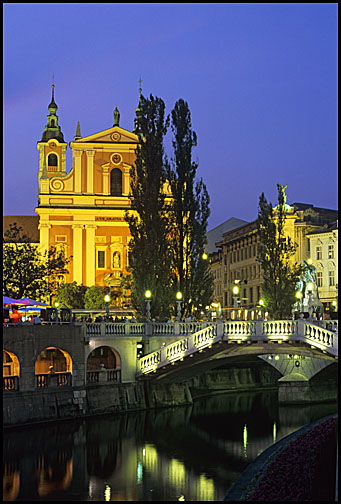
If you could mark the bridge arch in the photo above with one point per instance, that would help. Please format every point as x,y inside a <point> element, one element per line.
<point>103,364</point>
<point>10,363</point>
<point>10,370</point>
<point>53,367</point>
<point>53,359</point>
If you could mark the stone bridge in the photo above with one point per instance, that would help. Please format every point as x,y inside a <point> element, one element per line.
<point>210,346</point>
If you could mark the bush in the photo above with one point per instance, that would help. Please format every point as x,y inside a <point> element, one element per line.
<point>304,470</point>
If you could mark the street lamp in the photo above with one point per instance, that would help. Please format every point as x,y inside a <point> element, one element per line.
<point>298,296</point>
<point>261,304</point>
<point>310,302</point>
<point>178,300</point>
<point>204,256</point>
<point>235,291</point>
<point>148,295</point>
<point>56,305</point>
<point>107,301</point>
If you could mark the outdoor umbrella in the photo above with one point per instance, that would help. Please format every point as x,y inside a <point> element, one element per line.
<point>31,302</point>
<point>7,300</point>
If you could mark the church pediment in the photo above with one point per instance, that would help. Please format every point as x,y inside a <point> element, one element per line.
<point>112,135</point>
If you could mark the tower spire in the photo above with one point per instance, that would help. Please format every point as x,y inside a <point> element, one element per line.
<point>138,110</point>
<point>52,130</point>
<point>78,131</point>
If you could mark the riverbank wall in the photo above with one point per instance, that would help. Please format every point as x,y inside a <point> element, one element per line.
<point>57,403</point>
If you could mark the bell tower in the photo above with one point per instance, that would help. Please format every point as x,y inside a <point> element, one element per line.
<point>52,149</point>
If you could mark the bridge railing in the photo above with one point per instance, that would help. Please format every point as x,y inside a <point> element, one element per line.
<point>179,349</point>
<point>239,331</point>
<point>10,383</point>
<point>102,329</point>
<point>103,376</point>
<point>321,338</point>
<point>54,380</point>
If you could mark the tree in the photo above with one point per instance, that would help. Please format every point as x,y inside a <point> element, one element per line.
<point>27,272</point>
<point>94,298</point>
<point>275,253</point>
<point>190,210</point>
<point>150,253</point>
<point>71,295</point>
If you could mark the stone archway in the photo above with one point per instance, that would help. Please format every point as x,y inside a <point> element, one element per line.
<point>103,365</point>
<point>53,366</point>
<point>10,371</point>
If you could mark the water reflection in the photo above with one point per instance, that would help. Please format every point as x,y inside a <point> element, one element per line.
<point>188,453</point>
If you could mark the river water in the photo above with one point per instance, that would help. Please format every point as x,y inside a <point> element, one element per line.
<point>192,453</point>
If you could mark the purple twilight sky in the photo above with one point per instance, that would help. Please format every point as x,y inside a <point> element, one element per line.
<point>260,81</point>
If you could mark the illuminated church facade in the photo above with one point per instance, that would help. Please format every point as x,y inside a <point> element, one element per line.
<point>82,211</point>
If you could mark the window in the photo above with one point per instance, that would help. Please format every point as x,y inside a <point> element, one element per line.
<point>331,276</point>
<point>52,160</point>
<point>319,252</point>
<point>100,259</point>
<point>116,182</point>
<point>251,295</point>
<point>319,278</point>
<point>330,251</point>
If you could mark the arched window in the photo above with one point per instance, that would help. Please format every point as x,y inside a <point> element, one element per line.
<point>116,182</point>
<point>52,160</point>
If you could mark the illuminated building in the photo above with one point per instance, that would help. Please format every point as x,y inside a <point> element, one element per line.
<point>82,211</point>
<point>237,253</point>
<point>324,256</point>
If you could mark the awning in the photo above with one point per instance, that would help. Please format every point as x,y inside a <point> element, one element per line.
<point>31,302</point>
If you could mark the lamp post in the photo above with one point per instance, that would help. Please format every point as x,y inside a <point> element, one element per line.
<point>56,305</point>
<point>261,304</point>
<point>298,296</point>
<point>178,301</point>
<point>148,295</point>
<point>310,302</point>
<point>107,301</point>
<point>235,292</point>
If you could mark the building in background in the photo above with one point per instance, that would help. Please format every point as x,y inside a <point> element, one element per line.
<point>82,211</point>
<point>235,259</point>
<point>323,244</point>
<point>216,266</point>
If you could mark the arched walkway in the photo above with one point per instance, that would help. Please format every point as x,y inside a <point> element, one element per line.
<point>10,371</point>
<point>53,367</point>
<point>103,365</point>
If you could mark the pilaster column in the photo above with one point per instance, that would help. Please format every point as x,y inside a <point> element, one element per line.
<point>78,170</point>
<point>90,171</point>
<point>63,159</point>
<point>77,252</point>
<point>44,228</point>
<point>126,180</point>
<point>90,254</point>
<point>105,179</point>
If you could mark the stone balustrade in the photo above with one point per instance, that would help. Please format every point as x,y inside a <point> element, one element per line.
<point>278,330</point>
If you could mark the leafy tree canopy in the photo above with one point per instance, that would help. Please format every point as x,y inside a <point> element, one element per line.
<point>26,271</point>
<point>94,298</point>
<point>275,255</point>
<point>71,295</point>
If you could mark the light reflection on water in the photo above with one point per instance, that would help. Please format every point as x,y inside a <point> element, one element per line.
<point>188,453</point>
